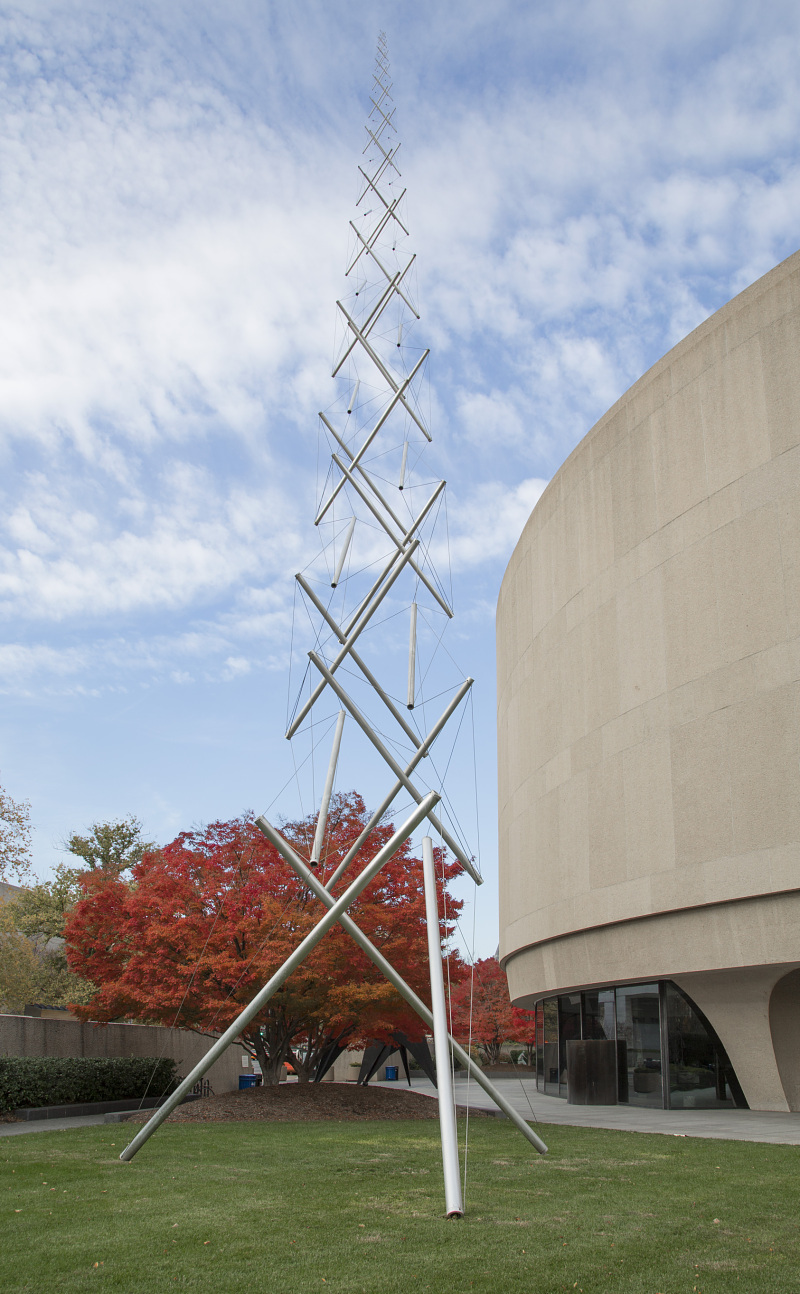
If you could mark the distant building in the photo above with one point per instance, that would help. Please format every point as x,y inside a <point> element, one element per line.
<point>648,655</point>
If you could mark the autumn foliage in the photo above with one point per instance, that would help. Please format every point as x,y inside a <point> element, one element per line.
<point>208,919</point>
<point>494,1020</point>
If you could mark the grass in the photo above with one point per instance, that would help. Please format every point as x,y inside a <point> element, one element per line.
<point>355,1208</point>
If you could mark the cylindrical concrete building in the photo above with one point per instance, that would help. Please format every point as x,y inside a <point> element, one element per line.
<point>648,657</point>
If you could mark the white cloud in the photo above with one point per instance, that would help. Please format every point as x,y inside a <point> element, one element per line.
<point>175,212</point>
<point>486,524</point>
<point>235,667</point>
<point>192,542</point>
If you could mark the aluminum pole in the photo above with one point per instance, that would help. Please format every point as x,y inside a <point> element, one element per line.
<point>384,523</point>
<point>352,401</point>
<point>354,656</point>
<point>322,820</point>
<point>292,962</point>
<point>422,753</point>
<point>439,828</point>
<point>387,376</point>
<point>353,632</point>
<point>373,433</point>
<point>337,574</point>
<point>403,466</point>
<point>406,992</point>
<point>377,310</point>
<point>453,1201</point>
<point>383,200</point>
<point>412,658</point>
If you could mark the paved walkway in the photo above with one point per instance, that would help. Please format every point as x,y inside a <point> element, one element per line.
<point>50,1125</point>
<point>727,1125</point>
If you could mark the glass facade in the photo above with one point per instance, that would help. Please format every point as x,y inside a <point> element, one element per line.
<point>668,1056</point>
<point>700,1074</point>
<point>639,1027</point>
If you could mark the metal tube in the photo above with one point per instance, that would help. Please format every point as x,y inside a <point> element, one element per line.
<point>412,657</point>
<point>382,198</point>
<point>368,244</point>
<point>381,367</point>
<point>388,119</point>
<point>355,458</point>
<point>423,514</point>
<point>380,128</point>
<point>388,155</point>
<point>398,395</point>
<point>349,704</point>
<point>343,554</point>
<point>322,820</point>
<point>382,521</point>
<point>398,786</point>
<point>365,601</point>
<point>369,248</point>
<point>353,633</point>
<point>403,465</point>
<point>354,396</point>
<point>382,167</point>
<point>368,479</point>
<point>354,656</point>
<point>385,91</point>
<point>292,962</point>
<point>454,1204</point>
<point>377,310</point>
<point>406,992</point>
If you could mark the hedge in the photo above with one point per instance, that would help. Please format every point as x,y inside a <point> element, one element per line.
<point>27,1081</point>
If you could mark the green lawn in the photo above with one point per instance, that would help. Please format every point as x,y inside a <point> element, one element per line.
<point>348,1207</point>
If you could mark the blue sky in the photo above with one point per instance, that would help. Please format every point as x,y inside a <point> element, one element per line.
<point>587,182</point>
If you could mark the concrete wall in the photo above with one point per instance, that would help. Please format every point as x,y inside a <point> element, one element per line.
<point>343,1068</point>
<point>784,1021</point>
<point>648,643</point>
<point>23,1035</point>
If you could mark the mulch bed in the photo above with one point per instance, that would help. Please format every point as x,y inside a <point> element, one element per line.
<point>291,1102</point>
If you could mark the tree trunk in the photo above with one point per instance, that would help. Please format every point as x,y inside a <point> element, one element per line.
<point>302,1068</point>
<point>492,1051</point>
<point>317,1043</point>
<point>271,1062</point>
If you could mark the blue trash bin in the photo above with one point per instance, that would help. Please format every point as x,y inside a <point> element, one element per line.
<point>247,1080</point>
<point>391,1073</point>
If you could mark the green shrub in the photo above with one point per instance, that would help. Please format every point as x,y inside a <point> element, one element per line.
<point>27,1081</point>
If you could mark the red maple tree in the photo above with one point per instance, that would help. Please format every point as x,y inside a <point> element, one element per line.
<point>524,1031</point>
<point>494,1021</point>
<point>209,918</point>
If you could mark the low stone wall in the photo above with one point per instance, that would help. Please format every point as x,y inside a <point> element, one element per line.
<point>23,1035</point>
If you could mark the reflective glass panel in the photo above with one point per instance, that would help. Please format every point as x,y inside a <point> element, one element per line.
<point>569,1028</point>
<point>550,1045</point>
<point>638,1026</point>
<point>598,1014</point>
<point>700,1074</point>
<point>540,1046</point>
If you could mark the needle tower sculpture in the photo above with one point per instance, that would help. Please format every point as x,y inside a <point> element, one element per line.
<point>377,539</point>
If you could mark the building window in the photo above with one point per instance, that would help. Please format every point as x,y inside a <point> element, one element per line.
<point>668,1055</point>
<point>549,1064</point>
<point>599,1014</point>
<point>569,1028</point>
<point>700,1074</point>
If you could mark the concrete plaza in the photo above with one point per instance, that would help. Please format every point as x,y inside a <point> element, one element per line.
<point>726,1125</point>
